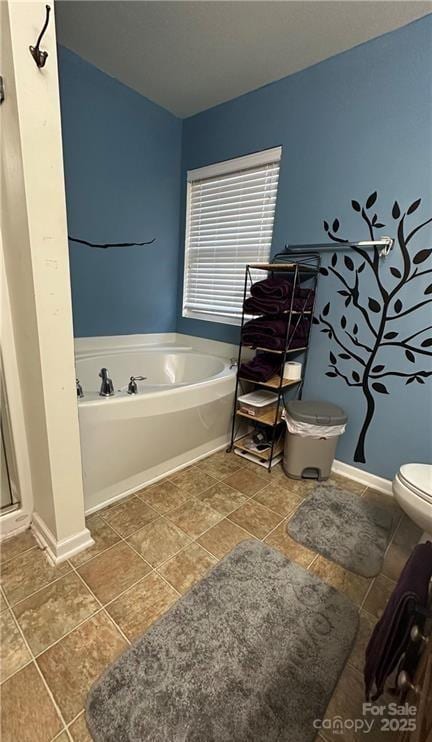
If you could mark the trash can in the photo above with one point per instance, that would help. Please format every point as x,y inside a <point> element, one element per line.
<point>313,430</point>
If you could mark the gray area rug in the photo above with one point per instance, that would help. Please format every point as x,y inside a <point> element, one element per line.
<point>250,654</point>
<point>343,527</point>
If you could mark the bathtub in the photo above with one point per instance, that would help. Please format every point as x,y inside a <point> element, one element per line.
<point>182,412</point>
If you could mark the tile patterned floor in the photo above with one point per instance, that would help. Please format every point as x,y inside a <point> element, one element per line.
<point>61,627</point>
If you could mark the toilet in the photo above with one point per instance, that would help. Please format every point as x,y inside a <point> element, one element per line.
<point>412,488</point>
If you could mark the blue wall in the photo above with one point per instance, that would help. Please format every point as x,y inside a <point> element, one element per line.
<point>122,168</point>
<point>356,123</point>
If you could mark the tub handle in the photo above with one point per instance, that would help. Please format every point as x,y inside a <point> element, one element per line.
<point>132,386</point>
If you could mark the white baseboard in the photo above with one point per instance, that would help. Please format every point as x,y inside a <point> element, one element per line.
<point>359,475</point>
<point>59,551</point>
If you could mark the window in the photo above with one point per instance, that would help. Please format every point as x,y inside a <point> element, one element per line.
<point>229,223</point>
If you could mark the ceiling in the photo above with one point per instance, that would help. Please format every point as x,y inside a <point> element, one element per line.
<point>189,56</point>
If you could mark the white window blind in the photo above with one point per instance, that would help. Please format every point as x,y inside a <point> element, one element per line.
<point>229,223</point>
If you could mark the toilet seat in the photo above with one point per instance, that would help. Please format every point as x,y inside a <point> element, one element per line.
<point>418,479</point>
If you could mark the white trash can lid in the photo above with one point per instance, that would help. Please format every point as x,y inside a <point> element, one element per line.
<point>316,412</point>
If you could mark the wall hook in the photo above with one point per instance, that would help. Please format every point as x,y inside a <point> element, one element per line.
<point>38,55</point>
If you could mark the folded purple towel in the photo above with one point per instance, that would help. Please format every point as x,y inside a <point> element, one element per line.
<point>272,288</point>
<point>273,343</point>
<point>260,368</point>
<point>391,634</point>
<point>301,302</point>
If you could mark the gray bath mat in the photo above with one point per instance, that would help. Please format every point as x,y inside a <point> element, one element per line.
<point>250,653</point>
<point>343,527</point>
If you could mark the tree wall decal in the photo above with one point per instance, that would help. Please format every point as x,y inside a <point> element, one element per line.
<point>377,321</point>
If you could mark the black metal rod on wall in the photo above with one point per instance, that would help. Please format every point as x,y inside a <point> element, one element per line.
<point>386,243</point>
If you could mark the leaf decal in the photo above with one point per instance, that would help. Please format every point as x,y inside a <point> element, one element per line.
<point>398,306</point>
<point>356,206</point>
<point>334,260</point>
<point>379,387</point>
<point>326,226</point>
<point>331,374</point>
<point>360,268</point>
<point>390,335</point>
<point>410,356</point>
<point>371,200</point>
<point>344,293</point>
<point>426,343</point>
<point>355,329</point>
<point>373,305</point>
<point>315,321</point>
<point>348,301</point>
<point>419,380</point>
<point>396,210</point>
<point>326,309</point>
<point>414,206</point>
<point>429,289</point>
<point>396,272</point>
<point>323,271</point>
<point>421,256</point>
<point>336,225</point>
<point>379,225</point>
<point>345,356</point>
<point>374,219</point>
<point>349,263</point>
<point>332,358</point>
<point>355,376</point>
<point>343,322</point>
<point>410,381</point>
<point>378,368</point>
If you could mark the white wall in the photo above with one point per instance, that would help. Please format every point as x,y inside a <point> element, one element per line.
<point>37,272</point>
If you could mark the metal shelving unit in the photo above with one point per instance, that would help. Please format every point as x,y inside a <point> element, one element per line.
<point>302,270</point>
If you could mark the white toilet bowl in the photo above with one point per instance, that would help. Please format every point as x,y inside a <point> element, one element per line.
<point>412,488</point>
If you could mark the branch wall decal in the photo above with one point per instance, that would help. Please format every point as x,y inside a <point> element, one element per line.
<point>378,315</point>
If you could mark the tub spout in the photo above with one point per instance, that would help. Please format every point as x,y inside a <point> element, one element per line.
<point>107,387</point>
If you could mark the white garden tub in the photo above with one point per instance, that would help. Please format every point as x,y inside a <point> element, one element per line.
<point>182,411</point>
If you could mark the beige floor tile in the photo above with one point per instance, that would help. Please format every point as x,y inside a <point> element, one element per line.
<point>347,704</point>
<point>74,663</point>
<point>278,498</point>
<point>194,517</point>
<point>158,541</point>
<point>302,487</point>
<point>255,518</point>
<point>337,480</point>
<point>407,533</point>
<point>129,516</point>
<point>103,535</point>
<point>62,737</point>
<point>223,498</point>
<point>29,572</point>
<point>366,626</point>
<point>143,604</point>
<point>16,545</point>
<point>27,712</point>
<point>13,651</point>
<point>53,611</point>
<point>247,482</point>
<point>395,559</point>
<point>79,730</point>
<point>354,586</point>
<point>378,595</point>
<point>280,540</point>
<point>186,568</point>
<point>222,538</point>
<point>110,573</point>
<point>192,481</point>
<point>221,464</point>
<point>163,496</point>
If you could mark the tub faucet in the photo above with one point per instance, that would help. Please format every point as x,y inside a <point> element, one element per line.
<point>79,389</point>
<point>132,386</point>
<point>107,388</point>
<point>233,362</point>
